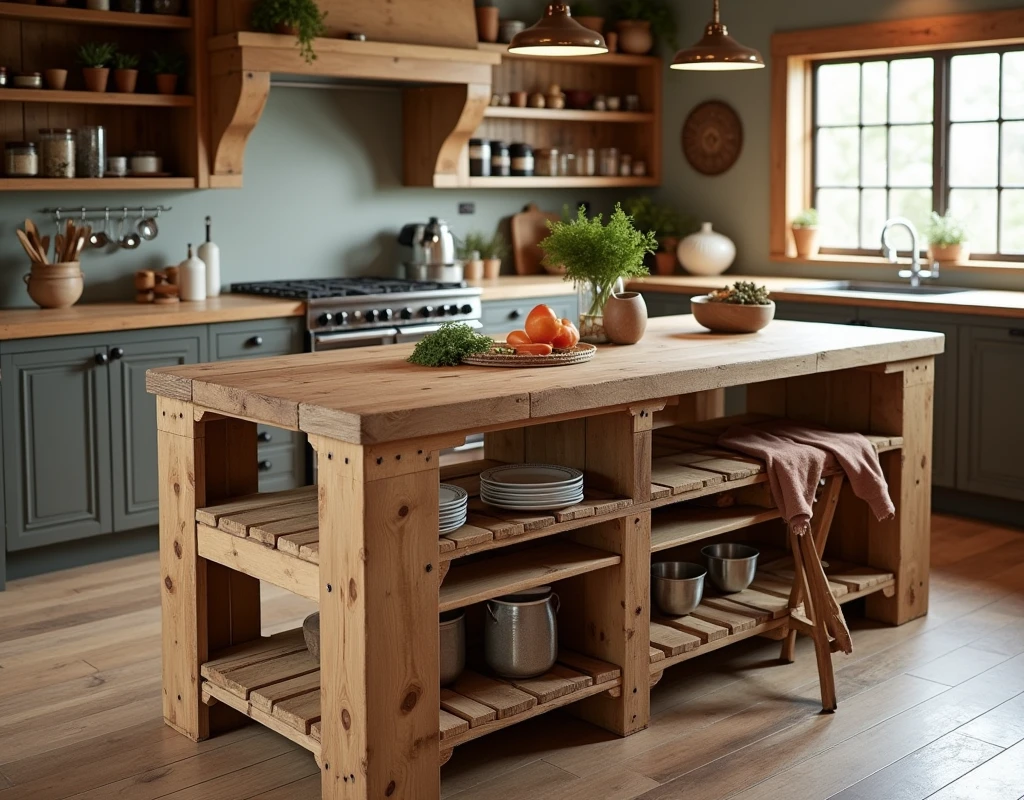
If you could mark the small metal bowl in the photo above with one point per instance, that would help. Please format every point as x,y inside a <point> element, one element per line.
<point>731,567</point>
<point>678,586</point>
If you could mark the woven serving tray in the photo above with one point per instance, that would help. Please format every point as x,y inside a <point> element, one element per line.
<point>559,358</point>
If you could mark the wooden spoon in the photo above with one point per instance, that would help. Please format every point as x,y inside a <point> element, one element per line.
<point>26,243</point>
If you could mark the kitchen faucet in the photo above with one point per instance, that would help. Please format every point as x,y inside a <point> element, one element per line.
<point>915,273</point>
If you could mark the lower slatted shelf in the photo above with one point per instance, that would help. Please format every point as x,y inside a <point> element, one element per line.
<point>276,682</point>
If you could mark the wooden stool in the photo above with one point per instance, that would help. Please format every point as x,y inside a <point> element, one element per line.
<point>820,618</point>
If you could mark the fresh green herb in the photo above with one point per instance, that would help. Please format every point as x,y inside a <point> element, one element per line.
<point>741,293</point>
<point>167,62</point>
<point>656,12</point>
<point>664,220</point>
<point>806,219</point>
<point>486,246</point>
<point>126,61</point>
<point>945,231</point>
<point>96,55</point>
<point>304,16</point>
<point>447,346</point>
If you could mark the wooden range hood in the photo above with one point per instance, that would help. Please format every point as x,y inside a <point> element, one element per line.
<point>449,88</point>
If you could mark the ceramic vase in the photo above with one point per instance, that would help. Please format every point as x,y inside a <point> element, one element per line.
<point>806,241</point>
<point>592,299</point>
<point>634,36</point>
<point>487,23</point>
<point>948,254</point>
<point>625,317</point>
<point>706,252</point>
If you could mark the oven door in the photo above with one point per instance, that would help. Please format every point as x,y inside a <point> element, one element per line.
<point>348,339</point>
<point>414,333</point>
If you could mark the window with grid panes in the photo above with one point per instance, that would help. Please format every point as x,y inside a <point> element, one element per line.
<point>901,136</point>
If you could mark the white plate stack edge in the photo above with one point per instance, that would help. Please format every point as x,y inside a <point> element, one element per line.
<point>531,487</point>
<point>453,505</point>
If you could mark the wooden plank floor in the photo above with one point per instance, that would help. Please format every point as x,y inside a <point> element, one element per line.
<point>932,709</point>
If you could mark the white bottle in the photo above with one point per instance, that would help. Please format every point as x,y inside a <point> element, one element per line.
<point>192,278</point>
<point>210,254</point>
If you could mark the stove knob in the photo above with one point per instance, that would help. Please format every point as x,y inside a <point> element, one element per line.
<point>370,316</point>
<point>341,317</point>
<point>406,313</point>
<point>441,310</point>
<point>467,309</point>
<point>386,314</point>
<point>426,311</point>
<point>326,318</point>
<point>453,309</point>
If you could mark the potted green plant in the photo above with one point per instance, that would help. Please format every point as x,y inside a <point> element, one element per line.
<point>95,58</point>
<point>584,13</point>
<point>469,252</point>
<point>640,23</point>
<point>302,19</point>
<point>492,251</point>
<point>947,239</point>
<point>668,225</point>
<point>167,67</point>
<point>126,72</point>
<point>487,18</point>
<point>597,257</point>
<point>805,233</point>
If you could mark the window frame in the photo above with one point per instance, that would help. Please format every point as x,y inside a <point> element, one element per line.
<point>795,56</point>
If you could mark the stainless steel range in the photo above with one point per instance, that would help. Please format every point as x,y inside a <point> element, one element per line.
<point>359,312</point>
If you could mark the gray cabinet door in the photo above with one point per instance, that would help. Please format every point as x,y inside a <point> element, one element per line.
<point>944,439</point>
<point>991,434</point>
<point>666,304</point>
<point>133,415</point>
<point>503,316</point>
<point>56,425</point>
<point>816,312</point>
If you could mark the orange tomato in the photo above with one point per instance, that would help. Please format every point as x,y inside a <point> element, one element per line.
<point>518,337</point>
<point>567,337</point>
<point>542,323</point>
<point>538,349</point>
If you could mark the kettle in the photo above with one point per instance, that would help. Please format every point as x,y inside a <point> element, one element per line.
<point>432,244</point>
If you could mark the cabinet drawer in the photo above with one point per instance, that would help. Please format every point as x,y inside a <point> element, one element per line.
<point>281,467</point>
<point>502,316</point>
<point>255,339</point>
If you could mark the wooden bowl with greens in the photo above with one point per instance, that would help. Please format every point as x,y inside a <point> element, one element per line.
<point>743,307</point>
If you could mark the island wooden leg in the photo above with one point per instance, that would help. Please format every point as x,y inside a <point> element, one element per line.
<point>380,691</point>
<point>204,606</point>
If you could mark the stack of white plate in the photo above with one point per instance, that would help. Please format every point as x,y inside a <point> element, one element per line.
<point>452,505</point>
<point>531,487</point>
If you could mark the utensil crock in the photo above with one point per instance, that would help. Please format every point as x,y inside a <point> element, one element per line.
<point>452,645</point>
<point>55,285</point>
<point>521,634</point>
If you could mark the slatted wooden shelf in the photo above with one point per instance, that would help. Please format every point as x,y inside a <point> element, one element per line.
<point>567,114</point>
<point>683,525</point>
<point>275,682</point>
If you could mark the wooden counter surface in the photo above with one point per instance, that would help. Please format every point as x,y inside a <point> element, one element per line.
<point>517,287</point>
<point>989,303</point>
<point>29,323</point>
<point>373,394</point>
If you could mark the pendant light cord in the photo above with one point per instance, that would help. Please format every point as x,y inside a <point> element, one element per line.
<point>718,17</point>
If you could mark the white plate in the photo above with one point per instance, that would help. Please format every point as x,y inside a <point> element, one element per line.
<point>534,506</point>
<point>449,495</point>
<point>451,520</point>
<point>454,526</point>
<point>529,491</point>
<point>532,476</point>
<point>453,510</point>
<point>528,501</point>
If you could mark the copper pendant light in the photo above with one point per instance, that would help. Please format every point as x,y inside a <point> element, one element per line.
<point>717,51</point>
<point>558,34</point>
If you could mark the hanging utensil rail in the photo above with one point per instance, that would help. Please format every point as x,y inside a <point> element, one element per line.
<point>77,212</point>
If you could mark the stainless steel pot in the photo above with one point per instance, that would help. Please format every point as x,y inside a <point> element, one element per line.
<point>452,643</point>
<point>678,586</point>
<point>444,273</point>
<point>521,634</point>
<point>731,566</point>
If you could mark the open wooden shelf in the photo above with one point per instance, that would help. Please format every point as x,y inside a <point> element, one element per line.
<point>108,184</point>
<point>84,16</point>
<point>606,59</point>
<point>276,682</point>
<point>96,98</point>
<point>683,525</point>
<point>567,114</point>
<point>562,182</point>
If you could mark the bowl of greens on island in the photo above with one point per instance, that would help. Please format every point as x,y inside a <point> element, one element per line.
<point>743,307</point>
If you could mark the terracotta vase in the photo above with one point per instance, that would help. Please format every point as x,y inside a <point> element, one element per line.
<point>56,79</point>
<point>96,78</point>
<point>806,240</point>
<point>594,23</point>
<point>665,262</point>
<point>167,84</point>
<point>625,317</point>
<point>948,254</point>
<point>492,268</point>
<point>487,23</point>
<point>473,269</point>
<point>286,29</point>
<point>635,36</point>
<point>125,80</point>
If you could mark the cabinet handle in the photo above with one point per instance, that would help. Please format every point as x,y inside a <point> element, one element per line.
<point>515,313</point>
<point>116,353</point>
<point>1017,332</point>
<point>102,358</point>
<point>256,341</point>
<point>265,466</point>
<point>264,436</point>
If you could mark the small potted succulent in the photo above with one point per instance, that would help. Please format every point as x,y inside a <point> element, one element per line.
<point>640,23</point>
<point>805,233</point>
<point>584,13</point>
<point>947,239</point>
<point>492,251</point>
<point>167,67</point>
<point>126,72</point>
<point>302,19</point>
<point>95,58</point>
<point>667,224</point>
<point>469,254</point>
<point>743,307</point>
<point>597,257</point>
<point>487,18</point>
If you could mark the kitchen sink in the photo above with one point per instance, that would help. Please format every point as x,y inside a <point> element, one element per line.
<point>878,287</point>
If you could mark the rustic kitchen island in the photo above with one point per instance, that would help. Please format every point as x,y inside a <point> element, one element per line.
<point>364,542</point>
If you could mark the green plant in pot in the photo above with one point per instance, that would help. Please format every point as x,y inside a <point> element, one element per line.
<point>668,225</point>
<point>126,72</point>
<point>947,239</point>
<point>597,257</point>
<point>469,253</point>
<point>492,250</point>
<point>95,58</point>
<point>805,233</point>
<point>167,68</point>
<point>641,23</point>
<point>302,19</point>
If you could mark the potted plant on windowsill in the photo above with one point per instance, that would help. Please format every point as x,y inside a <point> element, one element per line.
<point>597,257</point>
<point>126,72</point>
<point>95,58</point>
<point>640,23</point>
<point>805,233</point>
<point>302,19</point>
<point>667,224</point>
<point>947,239</point>
<point>167,68</point>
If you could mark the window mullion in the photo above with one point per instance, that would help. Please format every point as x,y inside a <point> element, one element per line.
<point>940,136</point>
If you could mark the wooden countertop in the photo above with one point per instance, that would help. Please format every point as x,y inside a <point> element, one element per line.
<point>374,395</point>
<point>988,303</point>
<point>517,287</point>
<point>29,323</point>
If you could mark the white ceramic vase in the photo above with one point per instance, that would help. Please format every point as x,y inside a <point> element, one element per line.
<point>706,252</point>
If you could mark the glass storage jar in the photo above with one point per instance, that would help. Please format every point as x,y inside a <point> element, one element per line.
<point>522,160</point>
<point>546,162</point>
<point>21,160</point>
<point>586,162</point>
<point>57,152</point>
<point>501,162</point>
<point>479,158</point>
<point>90,151</point>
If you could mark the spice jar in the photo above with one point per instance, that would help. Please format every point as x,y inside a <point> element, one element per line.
<point>146,162</point>
<point>28,80</point>
<point>609,161</point>
<point>568,164</point>
<point>479,158</point>
<point>626,165</point>
<point>3,77</point>
<point>586,162</point>
<point>57,152</point>
<point>21,160</point>
<point>546,162</point>
<point>501,162</point>
<point>90,151</point>
<point>522,160</point>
